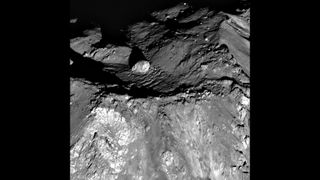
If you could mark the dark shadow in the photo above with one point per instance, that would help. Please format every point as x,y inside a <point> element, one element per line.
<point>134,91</point>
<point>111,37</point>
<point>77,29</point>
<point>91,70</point>
<point>135,56</point>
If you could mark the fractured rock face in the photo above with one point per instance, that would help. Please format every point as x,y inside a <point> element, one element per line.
<point>174,104</point>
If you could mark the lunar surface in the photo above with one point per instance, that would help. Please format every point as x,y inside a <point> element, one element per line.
<point>171,103</point>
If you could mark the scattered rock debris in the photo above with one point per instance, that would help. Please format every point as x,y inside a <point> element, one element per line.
<point>183,113</point>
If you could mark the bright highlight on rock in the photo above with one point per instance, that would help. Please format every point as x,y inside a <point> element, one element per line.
<point>141,67</point>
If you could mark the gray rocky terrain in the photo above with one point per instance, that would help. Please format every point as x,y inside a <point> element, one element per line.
<point>173,103</point>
